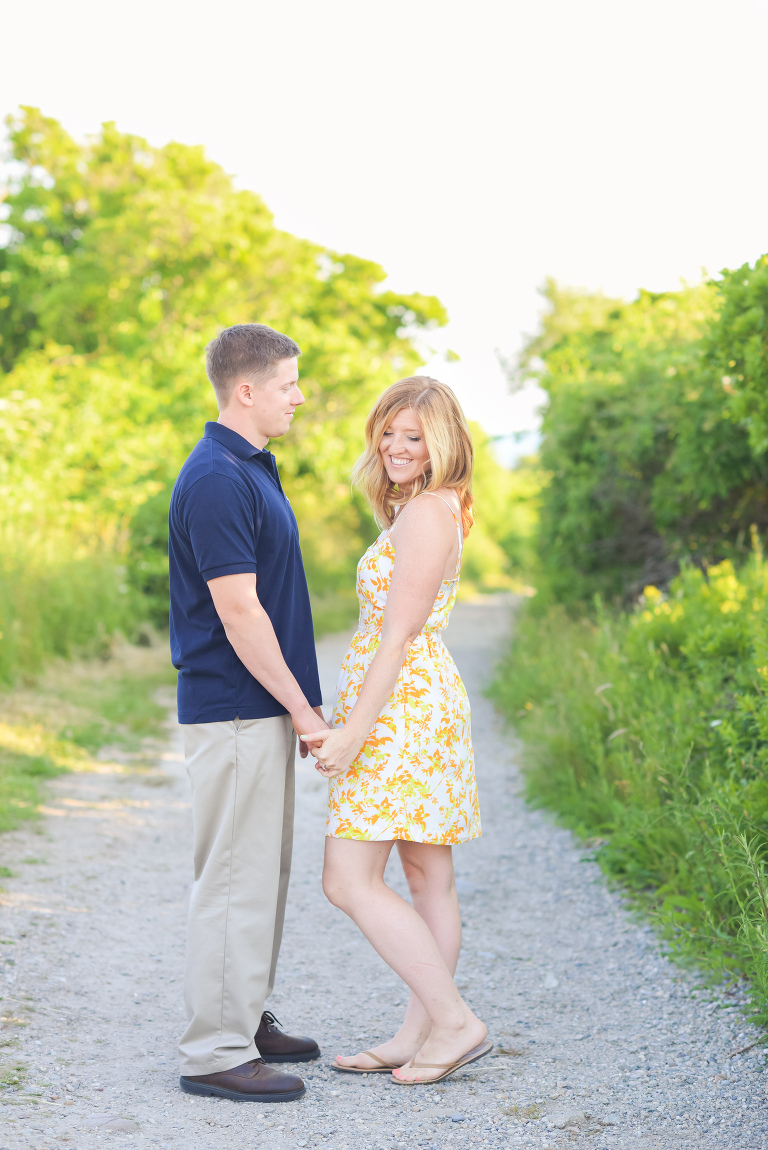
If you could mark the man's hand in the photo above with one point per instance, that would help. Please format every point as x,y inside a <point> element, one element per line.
<point>302,721</point>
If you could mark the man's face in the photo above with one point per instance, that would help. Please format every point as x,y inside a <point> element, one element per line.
<point>274,401</point>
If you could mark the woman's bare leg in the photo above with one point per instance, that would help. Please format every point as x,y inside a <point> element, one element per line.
<point>431,880</point>
<point>438,1022</point>
<point>429,872</point>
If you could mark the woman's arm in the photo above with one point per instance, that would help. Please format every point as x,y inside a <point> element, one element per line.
<point>426,536</point>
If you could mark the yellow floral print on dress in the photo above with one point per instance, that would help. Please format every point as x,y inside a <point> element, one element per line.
<point>414,777</point>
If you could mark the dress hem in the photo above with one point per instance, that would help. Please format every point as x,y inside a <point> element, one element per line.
<point>404,839</point>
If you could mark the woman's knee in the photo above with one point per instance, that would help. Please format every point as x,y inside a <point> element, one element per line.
<point>353,870</point>
<point>336,888</point>
<point>428,869</point>
<point>344,889</point>
<point>415,875</point>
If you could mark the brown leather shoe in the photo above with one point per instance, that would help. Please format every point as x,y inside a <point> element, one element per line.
<point>274,1046</point>
<point>251,1082</point>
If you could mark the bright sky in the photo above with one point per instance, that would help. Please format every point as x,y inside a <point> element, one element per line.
<point>470,148</point>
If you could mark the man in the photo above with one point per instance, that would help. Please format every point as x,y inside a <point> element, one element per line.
<point>242,640</point>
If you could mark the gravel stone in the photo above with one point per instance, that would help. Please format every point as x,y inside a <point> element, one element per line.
<point>97,1119</point>
<point>586,1012</point>
<point>574,1118</point>
<point>609,1120</point>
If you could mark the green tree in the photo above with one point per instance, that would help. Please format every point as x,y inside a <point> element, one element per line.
<point>123,261</point>
<point>738,349</point>
<point>649,456</point>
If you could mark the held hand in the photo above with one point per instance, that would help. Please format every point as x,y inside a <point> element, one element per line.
<point>333,750</point>
<point>303,719</point>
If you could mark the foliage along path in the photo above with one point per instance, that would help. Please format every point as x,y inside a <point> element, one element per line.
<point>600,1040</point>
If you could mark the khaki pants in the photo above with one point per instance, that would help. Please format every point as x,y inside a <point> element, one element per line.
<point>242,780</point>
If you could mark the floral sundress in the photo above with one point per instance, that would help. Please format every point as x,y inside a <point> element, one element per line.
<point>414,777</point>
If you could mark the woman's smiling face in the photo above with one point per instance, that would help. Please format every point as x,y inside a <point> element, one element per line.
<point>403,449</point>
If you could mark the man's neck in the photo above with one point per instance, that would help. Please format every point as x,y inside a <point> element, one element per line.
<point>243,426</point>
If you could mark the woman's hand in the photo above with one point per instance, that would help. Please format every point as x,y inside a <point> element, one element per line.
<point>334,750</point>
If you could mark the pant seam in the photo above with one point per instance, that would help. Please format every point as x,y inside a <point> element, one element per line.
<point>229,891</point>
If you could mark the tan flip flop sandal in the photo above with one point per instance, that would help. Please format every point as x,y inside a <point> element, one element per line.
<point>471,1056</point>
<point>380,1069</point>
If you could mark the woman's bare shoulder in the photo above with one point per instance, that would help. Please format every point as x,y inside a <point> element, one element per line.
<point>451,497</point>
<point>425,517</point>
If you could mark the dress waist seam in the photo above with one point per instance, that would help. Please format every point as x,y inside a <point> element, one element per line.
<point>436,634</point>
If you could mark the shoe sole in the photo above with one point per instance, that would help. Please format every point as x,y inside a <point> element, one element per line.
<point>363,1069</point>
<point>471,1056</point>
<point>238,1095</point>
<point>309,1056</point>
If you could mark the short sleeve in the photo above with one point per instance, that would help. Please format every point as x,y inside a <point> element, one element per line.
<point>222,521</point>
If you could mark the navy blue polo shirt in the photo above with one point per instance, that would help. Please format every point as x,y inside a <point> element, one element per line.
<point>229,516</point>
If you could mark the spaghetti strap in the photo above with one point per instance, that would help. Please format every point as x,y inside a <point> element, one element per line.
<point>456,521</point>
<point>445,501</point>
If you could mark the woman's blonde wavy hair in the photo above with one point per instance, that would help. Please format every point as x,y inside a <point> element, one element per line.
<point>448,440</point>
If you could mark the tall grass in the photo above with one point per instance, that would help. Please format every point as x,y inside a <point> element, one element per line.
<point>58,599</point>
<point>63,600</point>
<point>648,733</point>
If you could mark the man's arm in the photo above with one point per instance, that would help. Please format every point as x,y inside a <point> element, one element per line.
<point>249,629</point>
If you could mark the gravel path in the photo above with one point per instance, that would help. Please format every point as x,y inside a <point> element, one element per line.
<point>600,1040</point>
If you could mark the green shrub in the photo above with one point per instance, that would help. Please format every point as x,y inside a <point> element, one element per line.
<point>647,732</point>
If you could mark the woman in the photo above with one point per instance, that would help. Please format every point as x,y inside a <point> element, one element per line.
<point>400,757</point>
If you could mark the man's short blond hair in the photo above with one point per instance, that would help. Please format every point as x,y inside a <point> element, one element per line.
<point>245,351</point>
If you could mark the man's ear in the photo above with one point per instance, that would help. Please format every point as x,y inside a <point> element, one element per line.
<point>243,392</point>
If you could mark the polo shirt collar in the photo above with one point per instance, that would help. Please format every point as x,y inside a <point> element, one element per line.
<point>230,439</point>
